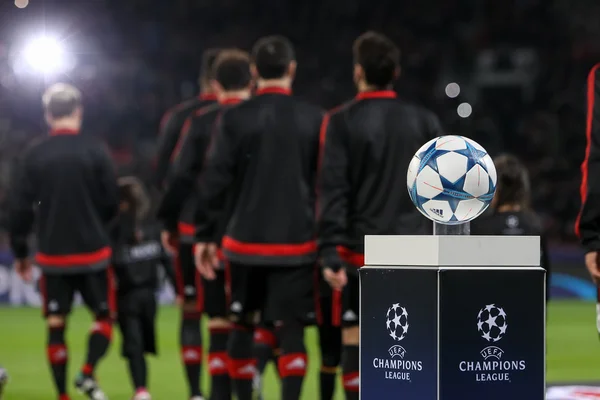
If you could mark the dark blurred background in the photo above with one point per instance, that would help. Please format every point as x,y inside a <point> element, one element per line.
<point>520,67</point>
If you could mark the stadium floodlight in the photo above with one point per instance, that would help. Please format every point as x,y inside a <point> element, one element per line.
<point>45,55</point>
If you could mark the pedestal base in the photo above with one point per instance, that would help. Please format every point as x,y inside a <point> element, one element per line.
<point>451,332</point>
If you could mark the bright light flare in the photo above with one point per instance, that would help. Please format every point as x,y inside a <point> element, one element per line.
<point>45,55</point>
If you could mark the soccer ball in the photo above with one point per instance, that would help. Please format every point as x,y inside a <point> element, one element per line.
<point>491,323</point>
<point>451,179</point>
<point>397,322</point>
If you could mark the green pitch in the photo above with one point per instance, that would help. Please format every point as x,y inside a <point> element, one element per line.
<point>573,354</point>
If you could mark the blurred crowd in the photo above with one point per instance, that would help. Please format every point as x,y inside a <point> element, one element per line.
<point>520,64</point>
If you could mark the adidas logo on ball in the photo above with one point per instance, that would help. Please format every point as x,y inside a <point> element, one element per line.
<point>437,211</point>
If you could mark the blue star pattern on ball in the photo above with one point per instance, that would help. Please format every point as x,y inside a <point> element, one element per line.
<point>451,179</point>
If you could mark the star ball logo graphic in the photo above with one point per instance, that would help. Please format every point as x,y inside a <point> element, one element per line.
<point>491,323</point>
<point>397,322</point>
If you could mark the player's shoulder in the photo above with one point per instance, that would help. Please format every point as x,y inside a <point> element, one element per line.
<point>411,108</point>
<point>182,110</point>
<point>340,110</point>
<point>243,111</point>
<point>207,111</point>
<point>293,102</point>
<point>424,118</point>
<point>35,146</point>
<point>595,72</point>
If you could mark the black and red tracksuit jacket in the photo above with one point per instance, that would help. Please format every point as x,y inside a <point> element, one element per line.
<point>264,156</point>
<point>171,126</point>
<point>177,208</point>
<point>587,225</point>
<point>366,146</point>
<point>65,184</point>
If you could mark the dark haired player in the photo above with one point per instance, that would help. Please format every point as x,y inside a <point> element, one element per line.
<point>587,225</point>
<point>67,180</point>
<point>264,154</point>
<point>232,84</point>
<point>137,254</point>
<point>510,211</point>
<point>366,145</point>
<point>171,131</point>
<point>173,120</point>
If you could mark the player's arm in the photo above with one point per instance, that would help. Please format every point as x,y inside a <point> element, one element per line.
<point>22,199</point>
<point>107,199</point>
<point>167,140</point>
<point>333,188</point>
<point>215,179</point>
<point>588,223</point>
<point>188,163</point>
<point>166,262</point>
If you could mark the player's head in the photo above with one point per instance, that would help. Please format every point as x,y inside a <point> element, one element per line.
<point>273,58</point>
<point>62,106</point>
<point>231,72</point>
<point>376,61</point>
<point>133,199</point>
<point>206,69</point>
<point>513,187</point>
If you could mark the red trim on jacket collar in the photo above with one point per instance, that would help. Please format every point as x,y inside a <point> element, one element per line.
<point>274,90</point>
<point>208,97</point>
<point>377,94</point>
<point>231,100</point>
<point>64,131</point>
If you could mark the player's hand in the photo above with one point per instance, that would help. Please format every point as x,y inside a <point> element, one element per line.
<point>169,240</point>
<point>207,260</point>
<point>179,301</point>
<point>337,280</point>
<point>24,268</point>
<point>591,263</point>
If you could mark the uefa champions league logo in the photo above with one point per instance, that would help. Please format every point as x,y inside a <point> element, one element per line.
<point>397,366</point>
<point>492,326</point>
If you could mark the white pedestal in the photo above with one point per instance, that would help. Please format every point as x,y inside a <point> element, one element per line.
<point>452,317</point>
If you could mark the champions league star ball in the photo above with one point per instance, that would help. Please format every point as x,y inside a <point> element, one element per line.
<point>397,322</point>
<point>451,180</point>
<point>491,323</point>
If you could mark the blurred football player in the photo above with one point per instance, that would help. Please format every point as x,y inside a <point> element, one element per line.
<point>232,84</point>
<point>67,180</point>
<point>587,225</point>
<point>170,135</point>
<point>137,252</point>
<point>366,145</point>
<point>264,155</point>
<point>173,120</point>
<point>510,212</point>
